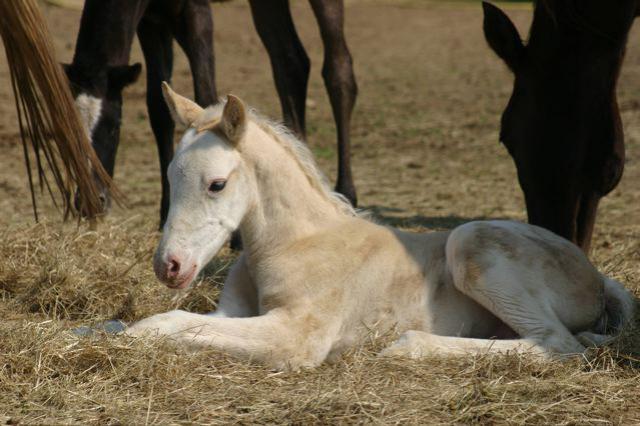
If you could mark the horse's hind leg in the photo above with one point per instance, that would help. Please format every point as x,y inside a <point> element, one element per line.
<point>194,33</point>
<point>417,344</point>
<point>483,269</point>
<point>156,42</point>
<point>340,81</point>
<point>289,61</point>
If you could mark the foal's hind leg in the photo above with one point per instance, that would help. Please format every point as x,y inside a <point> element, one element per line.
<point>417,344</point>
<point>289,61</point>
<point>156,42</point>
<point>483,268</point>
<point>340,81</point>
<point>505,268</point>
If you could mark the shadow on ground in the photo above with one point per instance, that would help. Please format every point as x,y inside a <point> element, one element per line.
<point>394,217</point>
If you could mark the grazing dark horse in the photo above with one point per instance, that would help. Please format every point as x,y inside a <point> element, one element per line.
<point>100,69</point>
<point>562,124</point>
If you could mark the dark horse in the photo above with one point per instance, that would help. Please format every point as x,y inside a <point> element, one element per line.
<point>562,124</point>
<point>100,69</point>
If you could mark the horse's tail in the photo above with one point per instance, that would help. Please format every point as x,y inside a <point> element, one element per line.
<point>618,309</point>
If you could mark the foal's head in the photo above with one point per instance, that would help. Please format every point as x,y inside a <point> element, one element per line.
<point>562,125</point>
<point>98,95</point>
<point>211,187</point>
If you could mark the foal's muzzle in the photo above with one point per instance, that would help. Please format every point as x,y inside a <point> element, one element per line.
<point>174,271</point>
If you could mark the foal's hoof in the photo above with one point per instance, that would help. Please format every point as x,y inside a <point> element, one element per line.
<point>109,327</point>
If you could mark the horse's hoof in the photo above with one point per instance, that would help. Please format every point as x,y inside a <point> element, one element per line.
<point>109,327</point>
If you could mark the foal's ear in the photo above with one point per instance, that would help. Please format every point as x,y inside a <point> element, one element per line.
<point>502,35</point>
<point>183,111</point>
<point>234,119</point>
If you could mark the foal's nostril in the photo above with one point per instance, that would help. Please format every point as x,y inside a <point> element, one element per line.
<point>173,268</point>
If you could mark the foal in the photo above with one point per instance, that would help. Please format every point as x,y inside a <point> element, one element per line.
<point>562,124</point>
<point>315,279</point>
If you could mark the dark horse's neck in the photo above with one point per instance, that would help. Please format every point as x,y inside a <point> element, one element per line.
<point>106,32</point>
<point>579,45</point>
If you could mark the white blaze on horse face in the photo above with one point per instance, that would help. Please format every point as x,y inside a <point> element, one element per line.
<point>90,109</point>
<point>201,216</point>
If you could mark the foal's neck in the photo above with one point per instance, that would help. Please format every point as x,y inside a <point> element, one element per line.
<point>289,206</point>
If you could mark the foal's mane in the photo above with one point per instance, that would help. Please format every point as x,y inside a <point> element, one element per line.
<point>299,151</point>
<point>304,158</point>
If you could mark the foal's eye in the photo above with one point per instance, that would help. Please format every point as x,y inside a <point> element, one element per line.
<point>217,185</point>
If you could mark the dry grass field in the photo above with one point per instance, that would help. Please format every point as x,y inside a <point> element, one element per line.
<point>426,156</point>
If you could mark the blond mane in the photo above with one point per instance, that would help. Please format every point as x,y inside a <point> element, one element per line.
<point>298,150</point>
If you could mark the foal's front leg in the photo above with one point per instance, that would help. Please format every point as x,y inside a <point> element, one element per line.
<point>271,339</point>
<point>239,297</point>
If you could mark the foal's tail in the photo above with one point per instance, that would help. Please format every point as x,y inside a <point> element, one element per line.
<point>619,307</point>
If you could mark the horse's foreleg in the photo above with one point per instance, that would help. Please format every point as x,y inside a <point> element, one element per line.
<point>553,206</point>
<point>586,220</point>
<point>239,297</point>
<point>270,339</point>
<point>340,82</point>
<point>194,33</point>
<point>289,60</point>
<point>156,42</point>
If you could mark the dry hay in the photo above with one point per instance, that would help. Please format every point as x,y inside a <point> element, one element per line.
<point>125,382</point>
<point>52,281</point>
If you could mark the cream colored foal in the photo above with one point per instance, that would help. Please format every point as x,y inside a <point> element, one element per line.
<point>316,279</point>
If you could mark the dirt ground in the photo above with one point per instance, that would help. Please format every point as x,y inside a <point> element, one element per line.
<point>426,156</point>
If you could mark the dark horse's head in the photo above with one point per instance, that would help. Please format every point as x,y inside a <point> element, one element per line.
<point>98,94</point>
<point>562,125</point>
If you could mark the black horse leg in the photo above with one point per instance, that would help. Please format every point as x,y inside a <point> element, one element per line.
<point>586,220</point>
<point>289,61</point>
<point>194,33</point>
<point>340,82</point>
<point>156,42</point>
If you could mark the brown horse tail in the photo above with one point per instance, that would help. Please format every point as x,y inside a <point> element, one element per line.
<point>46,112</point>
